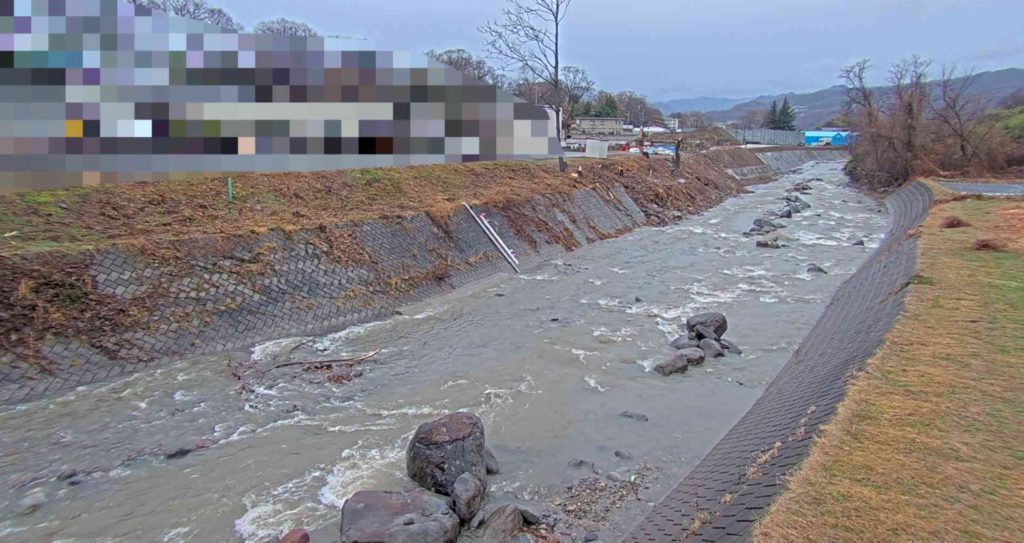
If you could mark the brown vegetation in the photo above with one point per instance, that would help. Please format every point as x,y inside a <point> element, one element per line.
<point>954,222</point>
<point>929,443</point>
<point>904,130</point>
<point>988,245</point>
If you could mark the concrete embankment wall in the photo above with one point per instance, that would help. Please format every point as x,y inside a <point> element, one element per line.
<point>279,284</point>
<point>757,163</point>
<point>218,294</point>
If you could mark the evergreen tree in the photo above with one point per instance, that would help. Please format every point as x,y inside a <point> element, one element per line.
<point>771,117</point>
<point>787,117</point>
<point>606,106</point>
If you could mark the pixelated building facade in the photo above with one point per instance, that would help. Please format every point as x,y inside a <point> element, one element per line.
<point>100,91</point>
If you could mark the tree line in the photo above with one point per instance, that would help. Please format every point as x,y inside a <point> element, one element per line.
<point>911,127</point>
<point>201,10</point>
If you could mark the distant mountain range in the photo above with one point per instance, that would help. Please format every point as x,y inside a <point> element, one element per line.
<point>702,103</point>
<point>816,108</point>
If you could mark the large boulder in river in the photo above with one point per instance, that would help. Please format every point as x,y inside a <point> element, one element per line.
<point>442,450</point>
<point>680,362</point>
<point>468,495</point>
<point>715,322</point>
<point>764,225</point>
<point>797,201</point>
<point>298,535</point>
<point>417,516</point>
<point>503,525</point>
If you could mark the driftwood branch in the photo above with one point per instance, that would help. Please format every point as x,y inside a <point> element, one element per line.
<point>330,362</point>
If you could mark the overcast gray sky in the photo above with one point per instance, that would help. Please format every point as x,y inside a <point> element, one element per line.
<point>684,48</point>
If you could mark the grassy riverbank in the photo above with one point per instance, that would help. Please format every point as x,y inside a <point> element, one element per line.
<point>929,443</point>
<point>91,217</point>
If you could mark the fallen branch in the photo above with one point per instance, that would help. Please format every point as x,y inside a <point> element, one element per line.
<point>326,362</point>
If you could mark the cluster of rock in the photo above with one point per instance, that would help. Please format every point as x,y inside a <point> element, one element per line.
<point>450,461</point>
<point>703,340</point>
<point>768,225</point>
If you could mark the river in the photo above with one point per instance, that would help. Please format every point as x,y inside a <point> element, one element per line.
<point>548,359</point>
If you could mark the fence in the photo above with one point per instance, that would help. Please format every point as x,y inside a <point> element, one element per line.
<point>767,136</point>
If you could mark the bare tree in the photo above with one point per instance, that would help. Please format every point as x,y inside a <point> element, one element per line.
<point>578,89</point>
<point>889,124</point>
<point>753,118</point>
<point>286,27</point>
<point>637,110</point>
<point>528,38</point>
<point>465,62</point>
<point>692,119</point>
<point>860,97</point>
<point>960,113</point>
<point>198,10</point>
<point>907,79</point>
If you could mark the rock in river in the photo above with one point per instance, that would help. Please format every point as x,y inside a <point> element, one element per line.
<point>730,346</point>
<point>491,462</point>
<point>764,225</point>
<point>468,495</point>
<point>680,362</point>
<point>715,322</point>
<point>417,516</point>
<point>298,535</point>
<point>503,524</point>
<point>711,348</point>
<point>442,450</point>
<point>683,342</point>
<point>768,244</point>
<point>635,416</point>
<point>814,268</point>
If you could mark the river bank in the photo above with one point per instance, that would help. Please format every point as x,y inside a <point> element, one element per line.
<point>548,360</point>
<point>942,413</point>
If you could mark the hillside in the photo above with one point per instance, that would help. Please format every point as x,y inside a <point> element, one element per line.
<point>702,103</point>
<point>815,108</point>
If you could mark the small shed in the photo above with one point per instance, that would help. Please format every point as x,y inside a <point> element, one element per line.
<point>813,138</point>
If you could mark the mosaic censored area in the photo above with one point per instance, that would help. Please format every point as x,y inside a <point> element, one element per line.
<point>97,91</point>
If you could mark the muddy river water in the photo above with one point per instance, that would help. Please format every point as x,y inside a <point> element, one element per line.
<point>548,359</point>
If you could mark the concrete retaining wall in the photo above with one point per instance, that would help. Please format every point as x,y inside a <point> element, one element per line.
<point>781,161</point>
<point>774,162</point>
<point>300,285</point>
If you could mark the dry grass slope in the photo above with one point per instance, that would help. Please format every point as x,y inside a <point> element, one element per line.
<point>929,444</point>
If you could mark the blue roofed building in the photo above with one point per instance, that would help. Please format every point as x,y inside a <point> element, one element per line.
<point>817,138</point>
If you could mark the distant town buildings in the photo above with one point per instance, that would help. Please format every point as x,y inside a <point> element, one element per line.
<point>599,126</point>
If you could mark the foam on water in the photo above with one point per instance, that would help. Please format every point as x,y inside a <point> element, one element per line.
<point>592,383</point>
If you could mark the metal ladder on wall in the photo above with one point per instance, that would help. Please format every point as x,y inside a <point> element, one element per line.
<point>494,237</point>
